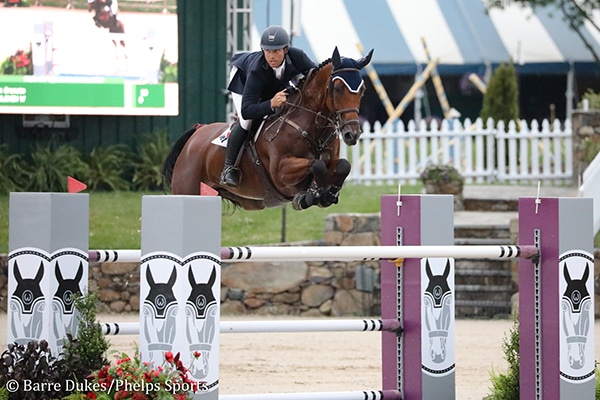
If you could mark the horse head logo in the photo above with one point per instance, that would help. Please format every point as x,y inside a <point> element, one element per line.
<point>160,312</point>
<point>161,296</point>
<point>27,305</point>
<point>576,306</point>
<point>67,289</point>
<point>437,300</point>
<point>201,321</point>
<point>63,305</point>
<point>28,291</point>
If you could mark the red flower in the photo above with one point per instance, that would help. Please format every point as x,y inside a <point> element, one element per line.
<point>91,395</point>
<point>197,354</point>
<point>169,356</point>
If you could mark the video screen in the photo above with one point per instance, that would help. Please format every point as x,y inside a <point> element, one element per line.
<point>92,58</point>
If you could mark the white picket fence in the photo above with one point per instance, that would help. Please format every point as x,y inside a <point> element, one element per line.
<point>484,153</point>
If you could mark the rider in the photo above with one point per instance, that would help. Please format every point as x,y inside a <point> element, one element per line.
<point>112,6</point>
<point>257,84</point>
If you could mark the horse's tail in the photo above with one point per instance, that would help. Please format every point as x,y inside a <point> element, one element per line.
<point>171,159</point>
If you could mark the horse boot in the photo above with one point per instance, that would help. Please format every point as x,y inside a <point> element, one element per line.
<point>231,174</point>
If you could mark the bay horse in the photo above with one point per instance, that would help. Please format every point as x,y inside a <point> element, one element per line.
<point>295,156</point>
<point>103,19</point>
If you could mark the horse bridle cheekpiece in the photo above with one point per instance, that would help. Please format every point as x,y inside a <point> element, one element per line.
<point>347,70</point>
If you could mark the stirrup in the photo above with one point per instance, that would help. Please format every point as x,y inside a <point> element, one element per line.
<point>231,176</point>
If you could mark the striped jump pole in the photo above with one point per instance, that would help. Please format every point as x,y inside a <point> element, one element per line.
<point>339,253</point>
<point>356,395</point>
<point>289,326</point>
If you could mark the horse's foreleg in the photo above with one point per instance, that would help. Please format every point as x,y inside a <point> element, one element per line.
<point>340,173</point>
<point>312,195</point>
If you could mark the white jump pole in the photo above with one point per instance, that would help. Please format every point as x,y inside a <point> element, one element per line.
<point>339,253</point>
<point>284,326</point>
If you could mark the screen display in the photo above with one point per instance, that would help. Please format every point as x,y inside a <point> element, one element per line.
<point>80,61</point>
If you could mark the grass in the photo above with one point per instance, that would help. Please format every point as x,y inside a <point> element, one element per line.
<point>115,218</point>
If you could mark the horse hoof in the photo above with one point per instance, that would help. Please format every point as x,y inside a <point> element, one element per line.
<point>296,202</point>
<point>303,200</point>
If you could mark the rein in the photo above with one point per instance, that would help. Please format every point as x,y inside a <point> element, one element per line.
<point>336,123</point>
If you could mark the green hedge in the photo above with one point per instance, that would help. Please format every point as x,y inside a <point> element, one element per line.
<point>109,168</point>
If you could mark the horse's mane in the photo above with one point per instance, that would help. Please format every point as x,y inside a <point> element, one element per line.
<point>313,71</point>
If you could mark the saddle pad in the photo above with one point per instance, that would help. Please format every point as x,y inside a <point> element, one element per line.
<point>222,139</point>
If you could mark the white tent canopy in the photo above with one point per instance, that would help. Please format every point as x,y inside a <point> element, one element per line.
<point>461,33</point>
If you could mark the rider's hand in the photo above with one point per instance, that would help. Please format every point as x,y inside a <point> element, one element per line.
<point>279,99</point>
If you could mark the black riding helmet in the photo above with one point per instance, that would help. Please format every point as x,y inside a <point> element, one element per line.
<point>274,38</point>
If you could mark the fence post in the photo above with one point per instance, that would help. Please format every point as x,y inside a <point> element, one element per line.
<point>420,294</point>
<point>47,265</point>
<point>180,283</point>
<point>556,300</point>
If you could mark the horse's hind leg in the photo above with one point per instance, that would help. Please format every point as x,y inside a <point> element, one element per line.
<point>340,172</point>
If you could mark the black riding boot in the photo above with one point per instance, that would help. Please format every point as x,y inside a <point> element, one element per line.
<point>231,174</point>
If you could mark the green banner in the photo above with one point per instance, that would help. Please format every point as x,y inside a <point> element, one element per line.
<point>31,91</point>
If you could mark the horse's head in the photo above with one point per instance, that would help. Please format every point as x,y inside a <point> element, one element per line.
<point>576,291</point>
<point>67,288</point>
<point>161,296</point>
<point>438,284</point>
<point>577,316</point>
<point>28,291</point>
<point>201,296</point>
<point>346,88</point>
<point>438,306</point>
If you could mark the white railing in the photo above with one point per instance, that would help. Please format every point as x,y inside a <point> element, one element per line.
<point>483,153</point>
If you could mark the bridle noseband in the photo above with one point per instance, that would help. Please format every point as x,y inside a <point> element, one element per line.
<point>339,122</point>
<point>336,121</point>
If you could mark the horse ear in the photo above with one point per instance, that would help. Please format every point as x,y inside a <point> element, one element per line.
<point>79,274</point>
<point>586,273</point>
<point>57,273</point>
<point>149,277</point>
<point>428,270</point>
<point>40,273</point>
<point>447,269</point>
<point>213,277</point>
<point>191,278</point>
<point>566,274</point>
<point>361,62</point>
<point>173,277</point>
<point>335,58</point>
<point>17,273</point>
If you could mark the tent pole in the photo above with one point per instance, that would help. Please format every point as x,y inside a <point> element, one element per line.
<point>569,93</point>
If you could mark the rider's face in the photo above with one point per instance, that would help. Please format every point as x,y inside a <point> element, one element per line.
<point>275,57</point>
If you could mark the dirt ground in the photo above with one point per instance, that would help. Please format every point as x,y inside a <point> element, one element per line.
<point>334,361</point>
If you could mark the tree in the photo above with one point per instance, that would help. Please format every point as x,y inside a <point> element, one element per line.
<point>574,12</point>
<point>501,100</point>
